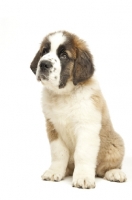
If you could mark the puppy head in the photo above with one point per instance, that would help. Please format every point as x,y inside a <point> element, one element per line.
<point>62,58</point>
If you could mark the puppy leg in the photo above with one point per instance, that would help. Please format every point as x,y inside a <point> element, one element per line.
<point>110,158</point>
<point>85,157</point>
<point>60,157</point>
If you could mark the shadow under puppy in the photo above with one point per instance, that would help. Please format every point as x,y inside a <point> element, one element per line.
<point>82,139</point>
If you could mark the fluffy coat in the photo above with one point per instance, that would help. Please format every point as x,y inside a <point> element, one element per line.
<point>81,136</point>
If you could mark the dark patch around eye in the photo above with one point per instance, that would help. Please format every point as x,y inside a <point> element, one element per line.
<point>65,65</point>
<point>45,49</point>
<point>60,50</point>
<point>63,55</point>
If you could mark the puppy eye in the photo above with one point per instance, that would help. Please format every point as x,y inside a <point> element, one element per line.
<point>45,51</point>
<point>63,56</point>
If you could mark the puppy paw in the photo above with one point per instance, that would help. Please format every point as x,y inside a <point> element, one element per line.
<point>83,181</point>
<point>115,175</point>
<point>51,175</point>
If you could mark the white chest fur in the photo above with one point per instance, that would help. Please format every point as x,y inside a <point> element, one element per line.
<point>61,110</point>
<point>68,112</point>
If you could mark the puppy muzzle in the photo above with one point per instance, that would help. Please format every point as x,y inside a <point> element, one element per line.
<point>45,65</point>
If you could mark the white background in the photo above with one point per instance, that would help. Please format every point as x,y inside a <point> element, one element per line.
<point>24,149</point>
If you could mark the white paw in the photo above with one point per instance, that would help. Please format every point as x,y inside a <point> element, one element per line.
<point>83,181</point>
<point>115,175</point>
<point>51,175</point>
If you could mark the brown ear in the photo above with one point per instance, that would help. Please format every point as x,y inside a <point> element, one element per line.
<point>35,61</point>
<point>83,67</point>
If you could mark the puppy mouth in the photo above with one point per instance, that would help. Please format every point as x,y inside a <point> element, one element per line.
<point>42,77</point>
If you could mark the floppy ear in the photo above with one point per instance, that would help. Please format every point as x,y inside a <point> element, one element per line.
<point>35,61</point>
<point>83,66</point>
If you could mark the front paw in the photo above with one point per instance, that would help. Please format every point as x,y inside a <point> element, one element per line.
<point>83,181</point>
<point>52,175</point>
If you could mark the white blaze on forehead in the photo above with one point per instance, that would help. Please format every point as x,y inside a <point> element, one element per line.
<point>56,39</point>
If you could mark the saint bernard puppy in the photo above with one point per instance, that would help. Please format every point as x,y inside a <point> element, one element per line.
<point>82,139</point>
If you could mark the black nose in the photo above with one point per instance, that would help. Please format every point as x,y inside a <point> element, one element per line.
<point>45,64</point>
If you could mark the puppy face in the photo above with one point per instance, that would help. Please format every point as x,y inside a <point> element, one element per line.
<point>62,58</point>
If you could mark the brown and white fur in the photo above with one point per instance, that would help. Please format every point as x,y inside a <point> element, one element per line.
<point>81,136</point>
